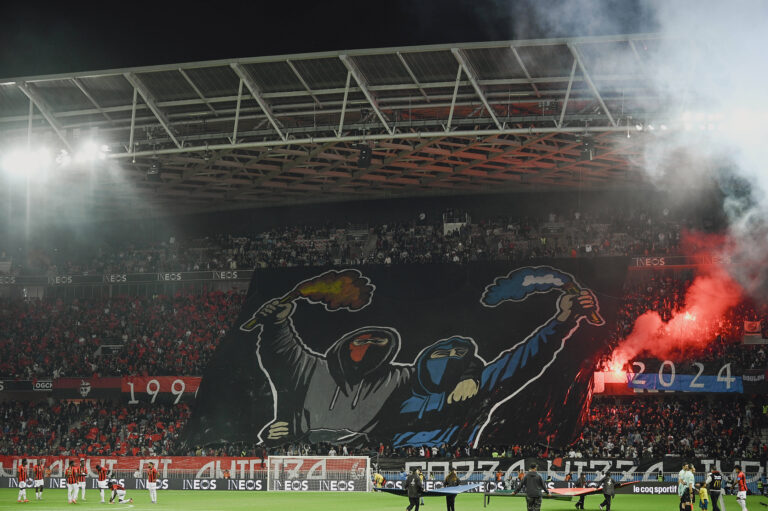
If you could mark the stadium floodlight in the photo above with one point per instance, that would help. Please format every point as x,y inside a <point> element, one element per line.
<point>63,159</point>
<point>91,151</point>
<point>26,162</point>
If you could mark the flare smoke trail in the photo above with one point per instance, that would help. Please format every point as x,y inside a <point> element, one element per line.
<point>708,69</point>
<point>709,73</point>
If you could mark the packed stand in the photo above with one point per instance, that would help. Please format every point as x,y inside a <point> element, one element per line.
<point>160,335</point>
<point>705,427</point>
<point>90,428</point>
<point>456,238</point>
<point>666,295</point>
<point>629,428</point>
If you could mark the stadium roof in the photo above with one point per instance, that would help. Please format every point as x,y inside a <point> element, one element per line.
<point>459,118</point>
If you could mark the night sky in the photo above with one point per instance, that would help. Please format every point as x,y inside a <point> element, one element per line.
<point>77,36</point>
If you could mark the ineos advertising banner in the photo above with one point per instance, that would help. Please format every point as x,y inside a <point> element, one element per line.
<point>131,483</point>
<point>123,278</point>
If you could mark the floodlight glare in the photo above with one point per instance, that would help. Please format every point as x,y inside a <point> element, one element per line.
<point>91,151</point>
<point>63,159</point>
<point>26,162</point>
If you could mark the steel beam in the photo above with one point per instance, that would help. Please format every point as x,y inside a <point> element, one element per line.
<point>567,94</point>
<point>151,102</point>
<point>303,82</point>
<point>131,148</point>
<point>369,137</point>
<point>361,82</point>
<point>464,62</point>
<point>287,166</point>
<point>525,71</point>
<point>237,111</point>
<point>255,91</point>
<point>575,53</point>
<point>344,104</point>
<point>453,99</point>
<point>413,76</point>
<point>387,161</point>
<point>93,101</point>
<point>198,91</point>
<point>45,110</point>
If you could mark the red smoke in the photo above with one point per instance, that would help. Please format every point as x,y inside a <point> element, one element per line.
<point>695,324</point>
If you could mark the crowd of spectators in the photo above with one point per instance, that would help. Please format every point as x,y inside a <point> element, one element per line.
<point>452,237</point>
<point>721,338</point>
<point>158,335</point>
<point>637,428</point>
<point>703,427</point>
<point>90,428</point>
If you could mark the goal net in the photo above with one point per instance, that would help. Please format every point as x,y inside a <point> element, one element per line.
<point>319,473</point>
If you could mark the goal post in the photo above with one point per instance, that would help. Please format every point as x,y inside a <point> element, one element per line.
<point>319,473</point>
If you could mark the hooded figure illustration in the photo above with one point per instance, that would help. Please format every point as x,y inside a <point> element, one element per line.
<point>438,369</point>
<point>356,358</point>
<point>357,367</point>
<point>354,391</point>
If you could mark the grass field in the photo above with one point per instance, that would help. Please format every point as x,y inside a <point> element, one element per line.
<point>353,501</point>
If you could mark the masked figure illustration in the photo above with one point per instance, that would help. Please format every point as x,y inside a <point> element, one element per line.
<point>356,390</point>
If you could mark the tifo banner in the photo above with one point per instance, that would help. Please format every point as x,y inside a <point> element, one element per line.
<point>753,333</point>
<point>149,387</point>
<point>685,383</point>
<point>26,385</point>
<point>755,381</point>
<point>136,389</point>
<point>204,466</point>
<point>90,388</point>
<point>410,354</point>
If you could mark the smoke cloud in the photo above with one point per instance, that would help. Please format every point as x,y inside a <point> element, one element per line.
<point>690,329</point>
<point>708,74</point>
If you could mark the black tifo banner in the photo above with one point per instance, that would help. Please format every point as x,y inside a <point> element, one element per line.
<point>411,355</point>
<point>131,483</point>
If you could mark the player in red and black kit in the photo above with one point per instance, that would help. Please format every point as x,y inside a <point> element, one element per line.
<point>741,488</point>
<point>118,490</point>
<point>38,472</point>
<point>21,475</point>
<point>71,475</point>
<point>102,475</point>
<point>152,482</point>
<point>81,475</point>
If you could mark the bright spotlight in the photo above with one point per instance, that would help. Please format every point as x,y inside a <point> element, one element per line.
<point>91,151</point>
<point>26,162</point>
<point>63,159</point>
<point>639,127</point>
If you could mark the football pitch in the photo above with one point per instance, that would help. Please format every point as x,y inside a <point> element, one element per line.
<point>337,501</point>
